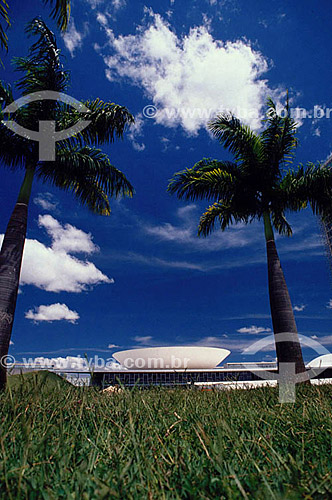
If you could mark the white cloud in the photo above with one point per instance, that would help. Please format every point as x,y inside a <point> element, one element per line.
<point>201,265</point>
<point>11,342</point>
<point>299,308</point>
<point>185,233</point>
<point>72,38</point>
<point>102,19</point>
<point>95,3</point>
<point>254,330</point>
<point>111,346</point>
<point>69,362</point>
<point>172,72</point>
<point>118,4</point>
<point>143,340</point>
<point>67,238</point>
<point>329,305</point>
<point>52,268</point>
<point>46,201</point>
<point>326,339</point>
<point>135,131</point>
<point>233,344</point>
<point>159,262</point>
<point>53,312</point>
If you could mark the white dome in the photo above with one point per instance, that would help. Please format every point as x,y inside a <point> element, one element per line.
<point>172,358</point>
<point>321,362</point>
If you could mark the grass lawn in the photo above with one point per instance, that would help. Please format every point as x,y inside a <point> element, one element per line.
<point>61,442</point>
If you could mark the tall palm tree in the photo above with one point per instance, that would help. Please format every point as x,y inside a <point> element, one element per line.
<point>256,186</point>
<point>78,167</point>
<point>326,224</point>
<point>60,12</point>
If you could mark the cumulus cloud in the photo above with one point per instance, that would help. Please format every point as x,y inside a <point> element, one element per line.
<point>329,305</point>
<point>52,268</point>
<point>67,238</point>
<point>46,201</point>
<point>254,330</point>
<point>300,308</point>
<point>172,72</point>
<point>53,312</point>
<point>111,346</point>
<point>72,38</point>
<point>60,362</point>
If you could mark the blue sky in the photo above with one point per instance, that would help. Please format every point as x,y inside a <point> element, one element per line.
<point>142,277</point>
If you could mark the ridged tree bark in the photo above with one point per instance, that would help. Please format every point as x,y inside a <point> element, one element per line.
<point>281,307</point>
<point>10,268</point>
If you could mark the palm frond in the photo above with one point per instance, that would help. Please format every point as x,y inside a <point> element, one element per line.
<point>14,150</point>
<point>281,224</point>
<point>4,8</point>
<point>60,12</point>
<point>279,137</point>
<point>6,94</point>
<point>208,179</point>
<point>108,121</point>
<point>313,184</point>
<point>42,67</point>
<point>238,138</point>
<point>77,168</point>
<point>221,213</point>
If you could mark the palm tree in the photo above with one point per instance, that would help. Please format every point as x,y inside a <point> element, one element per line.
<point>256,187</point>
<point>326,224</point>
<point>78,167</point>
<point>60,12</point>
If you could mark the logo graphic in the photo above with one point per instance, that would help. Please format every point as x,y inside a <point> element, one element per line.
<point>47,136</point>
<point>286,378</point>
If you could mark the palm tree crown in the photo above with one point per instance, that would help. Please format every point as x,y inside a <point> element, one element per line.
<point>79,166</point>
<point>253,184</point>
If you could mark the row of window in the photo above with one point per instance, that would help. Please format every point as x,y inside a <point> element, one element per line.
<point>169,378</point>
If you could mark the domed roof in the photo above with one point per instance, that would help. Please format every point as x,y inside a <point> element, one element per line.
<point>172,358</point>
<point>321,362</point>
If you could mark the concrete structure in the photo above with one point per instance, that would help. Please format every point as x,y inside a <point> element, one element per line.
<point>172,358</point>
<point>324,361</point>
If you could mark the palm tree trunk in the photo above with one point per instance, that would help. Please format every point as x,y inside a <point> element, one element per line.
<point>281,307</point>
<point>10,268</point>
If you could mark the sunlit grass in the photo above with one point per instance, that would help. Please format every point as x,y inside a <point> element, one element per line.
<point>63,442</point>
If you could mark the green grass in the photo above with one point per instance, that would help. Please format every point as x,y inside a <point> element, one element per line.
<point>60,442</point>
